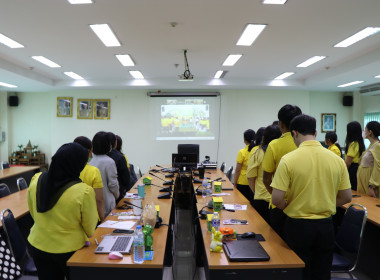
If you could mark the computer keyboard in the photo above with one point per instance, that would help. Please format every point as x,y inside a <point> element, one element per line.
<point>121,243</point>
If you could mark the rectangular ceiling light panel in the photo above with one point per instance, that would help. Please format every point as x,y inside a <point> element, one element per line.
<point>311,61</point>
<point>125,59</point>
<point>232,59</point>
<point>284,75</point>
<point>351,84</point>
<point>136,74</point>
<point>275,2</point>
<point>73,75</point>
<point>46,61</point>
<point>80,1</point>
<point>105,34</point>
<point>7,85</point>
<point>250,34</point>
<point>9,42</point>
<point>366,32</point>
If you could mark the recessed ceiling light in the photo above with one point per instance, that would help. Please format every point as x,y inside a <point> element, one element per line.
<point>105,34</point>
<point>351,84</point>
<point>136,74</point>
<point>80,1</point>
<point>311,61</point>
<point>232,59</point>
<point>46,61</point>
<point>7,85</point>
<point>366,32</point>
<point>250,34</point>
<point>9,42</point>
<point>277,2</point>
<point>73,75</point>
<point>218,74</point>
<point>284,75</point>
<point>125,59</point>
<point>378,76</point>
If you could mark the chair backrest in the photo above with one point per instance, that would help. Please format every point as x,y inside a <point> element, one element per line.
<point>5,165</point>
<point>189,149</point>
<point>350,233</point>
<point>223,166</point>
<point>14,236</point>
<point>22,184</point>
<point>133,177</point>
<point>9,269</point>
<point>229,173</point>
<point>4,190</point>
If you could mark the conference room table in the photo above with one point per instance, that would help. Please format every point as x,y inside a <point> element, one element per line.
<point>17,202</point>
<point>9,175</point>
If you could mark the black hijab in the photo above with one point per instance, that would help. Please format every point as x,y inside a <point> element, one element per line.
<point>65,168</point>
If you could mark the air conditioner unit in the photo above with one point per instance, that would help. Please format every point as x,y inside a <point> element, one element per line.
<point>373,89</point>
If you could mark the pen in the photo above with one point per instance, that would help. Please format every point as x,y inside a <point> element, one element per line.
<point>96,241</point>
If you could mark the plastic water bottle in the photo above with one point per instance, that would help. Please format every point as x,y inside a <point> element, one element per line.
<point>215,221</point>
<point>209,189</point>
<point>204,187</point>
<point>138,245</point>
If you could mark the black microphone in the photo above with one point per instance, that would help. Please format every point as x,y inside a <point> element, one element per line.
<point>163,189</point>
<point>165,182</point>
<point>126,202</point>
<point>166,175</point>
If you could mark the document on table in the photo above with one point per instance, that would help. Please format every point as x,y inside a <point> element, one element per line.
<point>235,207</point>
<point>117,224</point>
<point>220,194</point>
<point>131,195</point>
<point>129,217</point>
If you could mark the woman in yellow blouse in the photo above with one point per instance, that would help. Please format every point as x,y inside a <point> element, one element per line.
<point>369,168</point>
<point>64,212</point>
<point>330,140</point>
<point>354,148</point>
<point>240,178</point>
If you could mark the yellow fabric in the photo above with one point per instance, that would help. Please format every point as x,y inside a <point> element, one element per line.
<point>255,170</point>
<point>242,158</point>
<point>370,175</point>
<point>311,176</point>
<point>66,227</point>
<point>91,176</point>
<point>334,148</point>
<point>353,151</point>
<point>126,160</point>
<point>277,148</point>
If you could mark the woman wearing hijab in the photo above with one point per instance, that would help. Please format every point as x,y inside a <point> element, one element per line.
<point>64,212</point>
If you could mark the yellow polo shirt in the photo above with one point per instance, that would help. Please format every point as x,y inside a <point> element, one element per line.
<point>242,158</point>
<point>91,176</point>
<point>277,148</point>
<point>65,227</point>
<point>255,170</point>
<point>334,148</point>
<point>311,176</point>
<point>353,151</point>
<point>126,160</point>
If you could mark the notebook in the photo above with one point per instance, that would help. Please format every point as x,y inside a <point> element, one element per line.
<point>115,243</point>
<point>246,250</point>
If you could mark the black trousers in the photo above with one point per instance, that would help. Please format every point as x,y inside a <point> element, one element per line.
<point>262,207</point>
<point>51,266</point>
<point>352,170</point>
<point>246,191</point>
<point>313,241</point>
<point>277,220</point>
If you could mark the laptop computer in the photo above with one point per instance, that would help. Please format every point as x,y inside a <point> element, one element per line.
<point>115,243</point>
<point>246,250</point>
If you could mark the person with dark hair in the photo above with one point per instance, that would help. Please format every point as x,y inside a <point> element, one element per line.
<point>369,165</point>
<point>316,182</point>
<point>64,212</point>
<point>107,167</point>
<point>259,137</point>
<point>331,140</point>
<point>240,177</point>
<point>91,176</point>
<point>354,148</point>
<point>275,151</point>
<point>121,166</point>
<point>119,145</point>
<point>255,172</point>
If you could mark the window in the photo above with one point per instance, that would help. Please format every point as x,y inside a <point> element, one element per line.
<point>368,117</point>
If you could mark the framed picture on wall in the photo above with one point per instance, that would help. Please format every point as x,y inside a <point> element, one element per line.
<point>328,122</point>
<point>84,107</point>
<point>102,109</point>
<point>64,106</point>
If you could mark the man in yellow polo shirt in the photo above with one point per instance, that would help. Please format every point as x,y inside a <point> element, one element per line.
<point>275,151</point>
<point>316,182</point>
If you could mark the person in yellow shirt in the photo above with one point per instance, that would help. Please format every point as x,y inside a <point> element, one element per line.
<point>64,212</point>
<point>255,172</point>
<point>275,151</point>
<point>91,176</point>
<point>369,166</point>
<point>240,177</point>
<point>316,182</point>
<point>354,149</point>
<point>331,140</point>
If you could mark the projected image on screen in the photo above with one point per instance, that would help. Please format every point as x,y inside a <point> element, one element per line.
<point>188,118</point>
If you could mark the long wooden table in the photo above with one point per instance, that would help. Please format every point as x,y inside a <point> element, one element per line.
<point>9,175</point>
<point>17,202</point>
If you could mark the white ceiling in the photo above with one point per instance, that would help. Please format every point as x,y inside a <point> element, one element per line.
<point>208,29</point>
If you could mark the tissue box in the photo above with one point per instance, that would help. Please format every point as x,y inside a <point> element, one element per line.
<point>217,203</point>
<point>217,187</point>
<point>147,181</point>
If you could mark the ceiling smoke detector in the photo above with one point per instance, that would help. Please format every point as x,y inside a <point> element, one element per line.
<point>186,76</point>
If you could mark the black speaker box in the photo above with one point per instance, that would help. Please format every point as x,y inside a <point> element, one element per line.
<point>348,100</point>
<point>13,101</point>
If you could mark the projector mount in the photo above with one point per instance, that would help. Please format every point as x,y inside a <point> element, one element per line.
<point>187,74</point>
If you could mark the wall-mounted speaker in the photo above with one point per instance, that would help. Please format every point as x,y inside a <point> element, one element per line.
<point>13,101</point>
<point>348,100</point>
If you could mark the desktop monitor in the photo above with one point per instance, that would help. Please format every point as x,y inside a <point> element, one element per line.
<point>189,161</point>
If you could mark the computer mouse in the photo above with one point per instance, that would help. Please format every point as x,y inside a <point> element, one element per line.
<point>115,256</point>
<point>248,234</point>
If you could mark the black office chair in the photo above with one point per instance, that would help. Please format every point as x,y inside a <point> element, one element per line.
<point>132,177</point>
<point>139,173</point>
<point>4,190</point>
<point>189,149</point>
<point>222,167</point>
<point>229,173</point>
<point>5,165</point>
<point>17,243</point>
<point>21,184</point>
<point>348,239</point>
